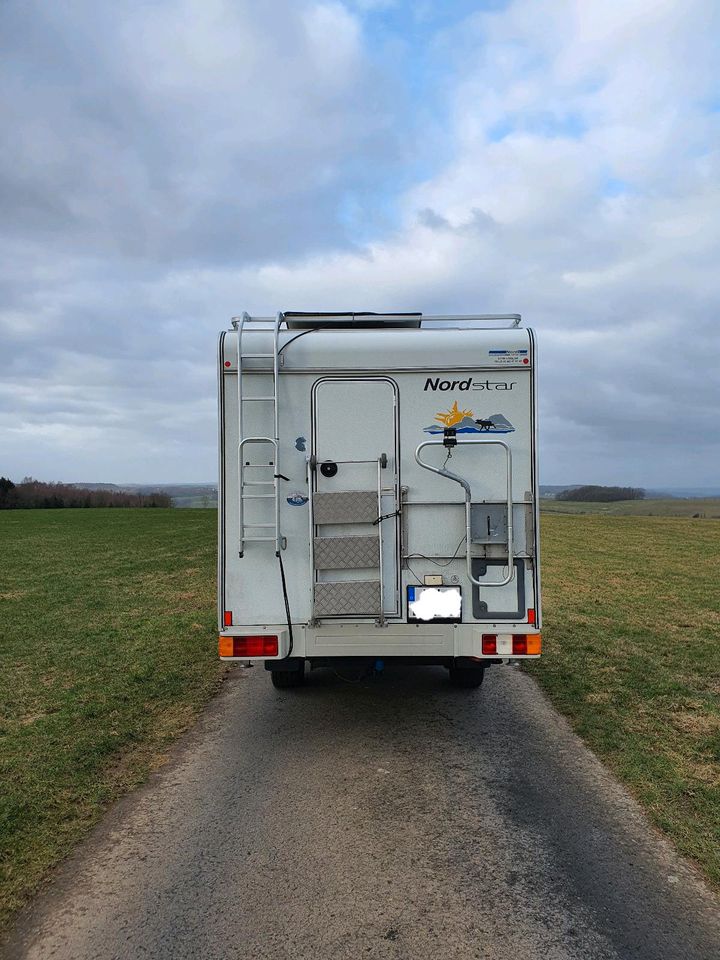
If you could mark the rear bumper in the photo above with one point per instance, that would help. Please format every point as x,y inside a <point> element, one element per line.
<point>412,643</point>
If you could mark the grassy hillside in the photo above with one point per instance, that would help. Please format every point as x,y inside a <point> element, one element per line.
<point>107,651</point>
<point>631,612</point>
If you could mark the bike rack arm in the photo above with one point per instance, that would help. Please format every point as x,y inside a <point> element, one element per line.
<point>442,472</point>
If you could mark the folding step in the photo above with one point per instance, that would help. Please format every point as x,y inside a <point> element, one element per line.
<point>346,553</point>
<point>347,598</point>
<point>353,506</point>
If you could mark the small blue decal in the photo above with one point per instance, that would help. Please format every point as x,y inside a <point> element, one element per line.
<point>300,444</point>
<point>297,500</point>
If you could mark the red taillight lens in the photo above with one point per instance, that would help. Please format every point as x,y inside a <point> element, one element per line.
<point>264,645</point>
<point>519,644</point>
<point>227,618</point>
<point>489,644</point>
<point>531,616</point>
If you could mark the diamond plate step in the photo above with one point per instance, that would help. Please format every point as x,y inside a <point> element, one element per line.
<point>353,506</point>
<point>346,553</point>
<point>349,598</point>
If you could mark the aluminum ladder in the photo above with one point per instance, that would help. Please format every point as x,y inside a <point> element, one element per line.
<point>251,531</point>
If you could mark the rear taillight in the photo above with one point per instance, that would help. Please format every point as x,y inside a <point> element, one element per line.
<point>489,644</point>
<point>264,645</point>
<point>524,644</point>
<point>227,618</point>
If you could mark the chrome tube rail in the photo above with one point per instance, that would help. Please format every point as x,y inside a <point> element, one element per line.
<point>326,319</point>
<point>381,618</point>
<point>442,472</point>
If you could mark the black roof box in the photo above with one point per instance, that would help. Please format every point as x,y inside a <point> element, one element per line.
<point>312,321</point>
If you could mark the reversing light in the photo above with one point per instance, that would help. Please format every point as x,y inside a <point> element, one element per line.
<point>489,644</point>
<point>264,645</point>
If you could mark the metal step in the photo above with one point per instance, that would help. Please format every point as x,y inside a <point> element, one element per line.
<point>346,553</point>
<point>353,506</point>
<point>347,598</point>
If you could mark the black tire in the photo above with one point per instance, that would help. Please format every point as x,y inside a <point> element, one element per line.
<point>467,678</point>
<point>285,679</point>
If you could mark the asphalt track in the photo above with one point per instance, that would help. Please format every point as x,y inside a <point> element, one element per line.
<point>396,818</point>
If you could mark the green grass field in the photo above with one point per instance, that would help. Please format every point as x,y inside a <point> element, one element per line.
<point>631,632</point>
<point>107,652</point>
<point>704,508</point>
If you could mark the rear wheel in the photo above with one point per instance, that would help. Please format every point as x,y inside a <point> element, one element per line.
<point>468,678</point>
<point>284,679</point>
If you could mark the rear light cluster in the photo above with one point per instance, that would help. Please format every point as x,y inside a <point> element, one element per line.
<point>264,645</point>
<point>514,645</point>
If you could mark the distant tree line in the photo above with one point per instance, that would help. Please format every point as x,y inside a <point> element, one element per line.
<point>596,494</point>
<point>34,494</point>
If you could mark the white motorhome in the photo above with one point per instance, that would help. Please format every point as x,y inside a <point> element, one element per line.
<point>378,492</point>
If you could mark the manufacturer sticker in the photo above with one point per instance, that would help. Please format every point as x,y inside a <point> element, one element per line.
<point>509,357</point>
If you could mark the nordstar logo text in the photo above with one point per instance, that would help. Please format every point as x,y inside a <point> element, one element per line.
<point>467,384</point>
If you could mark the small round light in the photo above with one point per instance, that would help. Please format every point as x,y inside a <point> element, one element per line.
<point>229,364</point>
<point>525,360</point>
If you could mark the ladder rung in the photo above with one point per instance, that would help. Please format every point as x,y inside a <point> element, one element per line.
<point>259,539</point>
<point>257,466</point>
<point>258,356</point>
<point>258,496</point>
<point>258,399</point>
<point>258,483</point>
<point>258,525</point>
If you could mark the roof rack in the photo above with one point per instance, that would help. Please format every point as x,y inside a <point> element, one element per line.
<point>299,320</point>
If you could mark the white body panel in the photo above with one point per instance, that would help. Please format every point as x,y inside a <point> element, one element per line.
<point>350,396</point>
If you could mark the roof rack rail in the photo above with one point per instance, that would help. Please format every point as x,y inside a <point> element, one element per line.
<point>297,320</point>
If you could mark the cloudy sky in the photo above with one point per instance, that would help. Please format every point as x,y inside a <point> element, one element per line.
<point>165,164</point>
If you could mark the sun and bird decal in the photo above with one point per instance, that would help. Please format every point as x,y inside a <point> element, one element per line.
<point>465,421</point>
